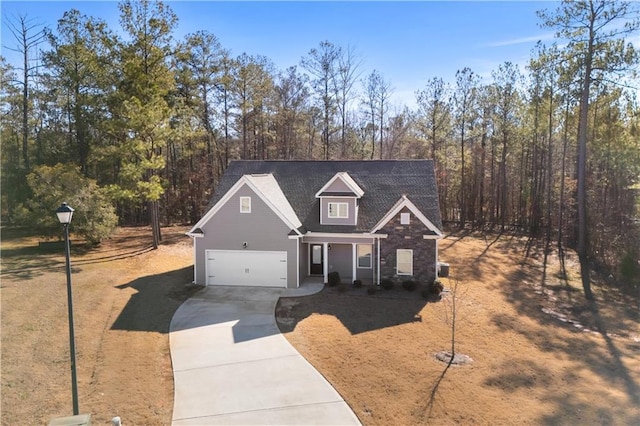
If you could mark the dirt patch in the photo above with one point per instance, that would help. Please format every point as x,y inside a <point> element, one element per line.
<point>541,354</point>
<point>125,295</point>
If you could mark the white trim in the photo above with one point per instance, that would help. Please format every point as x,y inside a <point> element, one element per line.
<point>378,261</point>
<point>398,272</point>
<point>337,216</point>
<point>432,237</point>
<point>325,262</point>
<point>354,270</point>
<point>347,180</point>
<point>244,198</point>
<point>343,235</point>
<point>195,264</point>
<point>358,257</point>
<point>194,235</point>
<point>400,204</point>
<point>297,265</point>
<point>245,180</point>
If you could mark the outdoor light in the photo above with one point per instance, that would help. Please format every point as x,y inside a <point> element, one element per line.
<point>65,213</point>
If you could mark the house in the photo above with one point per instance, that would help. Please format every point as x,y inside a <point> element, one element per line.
<point>275,223</point>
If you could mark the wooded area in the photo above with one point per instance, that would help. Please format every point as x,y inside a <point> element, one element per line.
<point>148,124</point>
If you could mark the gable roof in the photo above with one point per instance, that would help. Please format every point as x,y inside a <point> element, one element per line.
<point>266,187</point>
<point>383,182</point>
<point>400,204</point>
<point>347,180</point>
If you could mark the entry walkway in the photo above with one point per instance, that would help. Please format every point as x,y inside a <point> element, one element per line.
<point>232,366</point>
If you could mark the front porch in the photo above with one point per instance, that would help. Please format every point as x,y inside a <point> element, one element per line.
<point>352,257</point>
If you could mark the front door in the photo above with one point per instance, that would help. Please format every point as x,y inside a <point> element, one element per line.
<point>316,257</point>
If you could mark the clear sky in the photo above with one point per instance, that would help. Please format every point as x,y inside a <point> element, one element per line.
<point>407,42</point>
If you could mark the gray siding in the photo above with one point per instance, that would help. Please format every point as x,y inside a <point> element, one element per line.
<point>261,229</point>
<point>338,186</point>
<point>324,211</point>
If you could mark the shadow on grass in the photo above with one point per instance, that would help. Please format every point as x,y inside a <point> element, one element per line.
<point>156,301</point>
<point>353,310</point>
<point>551,307</point>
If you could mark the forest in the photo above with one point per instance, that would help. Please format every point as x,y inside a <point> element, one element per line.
<point>132,126</point>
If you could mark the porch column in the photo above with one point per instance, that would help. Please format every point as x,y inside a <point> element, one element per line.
<point>354,264</point>
<point>325,263</point>
<point>378,283</point>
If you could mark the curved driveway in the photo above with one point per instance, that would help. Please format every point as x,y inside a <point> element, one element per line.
<point>231,365</point>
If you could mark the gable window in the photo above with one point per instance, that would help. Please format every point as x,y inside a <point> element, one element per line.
<point>338,210</point>
<point>404,218</point>
<point>364,255</point>
<point>245,204</point>
<point>404,261</point>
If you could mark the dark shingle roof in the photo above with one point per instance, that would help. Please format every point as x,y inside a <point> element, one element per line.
<point>383,183</point>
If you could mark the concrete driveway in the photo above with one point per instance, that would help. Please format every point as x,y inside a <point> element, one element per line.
<point>232,366</point>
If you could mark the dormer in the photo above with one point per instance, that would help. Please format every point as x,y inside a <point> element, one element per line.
<point>339,200</point>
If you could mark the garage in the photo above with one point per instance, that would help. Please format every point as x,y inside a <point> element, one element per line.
<point>247,268</point>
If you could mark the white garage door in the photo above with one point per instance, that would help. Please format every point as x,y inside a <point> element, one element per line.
<point>247,268</point>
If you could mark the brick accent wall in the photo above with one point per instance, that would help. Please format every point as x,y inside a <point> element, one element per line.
<point>407,237</point>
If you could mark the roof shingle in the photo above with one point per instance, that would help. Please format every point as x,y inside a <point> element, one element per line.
<point>383,183</point>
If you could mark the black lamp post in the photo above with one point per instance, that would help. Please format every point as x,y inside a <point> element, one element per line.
<point>65,213</point>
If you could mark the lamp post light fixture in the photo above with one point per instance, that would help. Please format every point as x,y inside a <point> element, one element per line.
<point>65,213</point>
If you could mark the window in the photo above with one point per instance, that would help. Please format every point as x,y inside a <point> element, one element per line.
<point>338,210</point>
<point>364,255</point>
<point>404,218</point>
<point>245,204</point>
<point>404,262</point>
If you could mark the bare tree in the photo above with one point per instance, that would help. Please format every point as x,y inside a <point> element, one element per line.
<point>27,34</point>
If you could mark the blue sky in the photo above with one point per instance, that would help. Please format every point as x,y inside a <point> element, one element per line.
<point>407,42</point>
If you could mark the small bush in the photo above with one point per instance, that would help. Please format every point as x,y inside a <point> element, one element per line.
<point>371,290</point>
<point>357,283</point>
<point>409,285</point>
<point>387,284</point>
<point>425,293</point>
<point>334,278</point>
<point>435,287</point>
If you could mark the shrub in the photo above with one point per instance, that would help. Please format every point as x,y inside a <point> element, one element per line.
<point>94,218</point>
<point>357,283</point>
<point>334,278</point>
<point>387,284</point>
<point>409,285</point>
<point>371,290</point>
<point>435,287</point>
<point>425,293</point>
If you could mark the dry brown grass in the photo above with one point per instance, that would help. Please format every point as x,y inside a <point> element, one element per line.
<point>541,354</point>
<point>124,297</point>
<point>532,362</point>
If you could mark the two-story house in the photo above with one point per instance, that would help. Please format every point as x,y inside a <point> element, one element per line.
<point>275,223</point>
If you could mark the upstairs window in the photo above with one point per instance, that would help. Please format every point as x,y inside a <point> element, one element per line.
<point>245,204</point>
<point>405,218</point>
<point>338,210</point>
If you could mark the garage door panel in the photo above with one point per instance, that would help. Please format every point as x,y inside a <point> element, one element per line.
<point>247,268</point>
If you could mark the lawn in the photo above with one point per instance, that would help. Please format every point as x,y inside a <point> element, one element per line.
<point>540,354</point>
<point>125,295</point>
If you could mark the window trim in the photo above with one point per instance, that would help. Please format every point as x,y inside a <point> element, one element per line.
<point>410,264</point>
<point>242,205</point>
<point>405,218</point>
<point>370,256</point>
<point>337,215</point>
